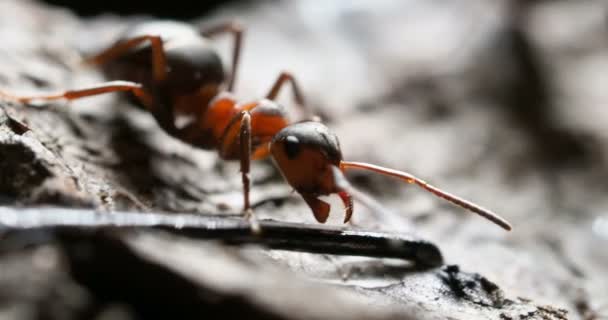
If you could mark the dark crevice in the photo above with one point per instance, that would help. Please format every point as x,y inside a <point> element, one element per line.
<point>114,274</point>
<point>22,172</point>
<point>472,287</point>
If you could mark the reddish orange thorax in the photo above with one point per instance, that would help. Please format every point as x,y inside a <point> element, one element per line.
<point>222,121</point>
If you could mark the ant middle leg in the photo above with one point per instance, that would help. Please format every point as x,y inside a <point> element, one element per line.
<point>159,59</point>
<point>237,31</point>
<point>283,78</point>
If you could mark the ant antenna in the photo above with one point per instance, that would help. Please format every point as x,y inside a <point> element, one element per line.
<point>434,190</point>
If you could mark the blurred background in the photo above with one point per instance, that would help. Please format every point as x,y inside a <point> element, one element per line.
<point>502,102</point>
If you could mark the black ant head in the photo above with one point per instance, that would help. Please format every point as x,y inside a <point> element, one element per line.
<point>305,153</point>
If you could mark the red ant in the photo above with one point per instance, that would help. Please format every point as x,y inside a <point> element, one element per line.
<point>173,72</point>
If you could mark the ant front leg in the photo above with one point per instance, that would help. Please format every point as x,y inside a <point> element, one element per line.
<point>283,78</point>
<point>245,143</point>
<point>159,59</point>
<point>237,32</point>
<point>245,152</point>
<point>236,143</point>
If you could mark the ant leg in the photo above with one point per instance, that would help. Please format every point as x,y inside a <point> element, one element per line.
<point>162,115</point>
<point>106,87</point>
<point>237,138</point>
<point>159,59</point>
<point>237,31</point>
<point>297,93</point>
<point>245,143</point>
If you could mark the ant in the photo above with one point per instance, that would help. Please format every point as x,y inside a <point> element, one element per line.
<point>174,73</point>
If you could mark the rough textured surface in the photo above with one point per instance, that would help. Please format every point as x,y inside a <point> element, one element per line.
<point>501,103</point>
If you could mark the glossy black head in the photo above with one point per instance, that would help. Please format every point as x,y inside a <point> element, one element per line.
<point>308,136</point>
<point>304,153</point>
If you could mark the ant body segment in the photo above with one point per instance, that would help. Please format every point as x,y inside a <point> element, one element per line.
<point>174,73</point>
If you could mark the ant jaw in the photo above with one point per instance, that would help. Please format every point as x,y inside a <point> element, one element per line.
<point>319,207</point>
<point>347,199</point>
<point>342,184</point>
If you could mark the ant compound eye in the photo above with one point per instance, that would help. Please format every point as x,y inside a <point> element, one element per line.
<point>292,146</point>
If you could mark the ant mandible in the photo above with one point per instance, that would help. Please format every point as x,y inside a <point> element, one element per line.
<point>174,73</point>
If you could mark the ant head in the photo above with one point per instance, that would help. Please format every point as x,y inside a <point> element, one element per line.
<point>308,154</point>
<point>305,153</point>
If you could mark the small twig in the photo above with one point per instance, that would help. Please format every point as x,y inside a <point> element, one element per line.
<point>231,230</point>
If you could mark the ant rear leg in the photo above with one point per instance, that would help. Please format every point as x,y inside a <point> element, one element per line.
<point>159,59</point>
<point>106,87</point>
<point>237,31</point>
<point>283,78</point>
<point>162,115</point>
